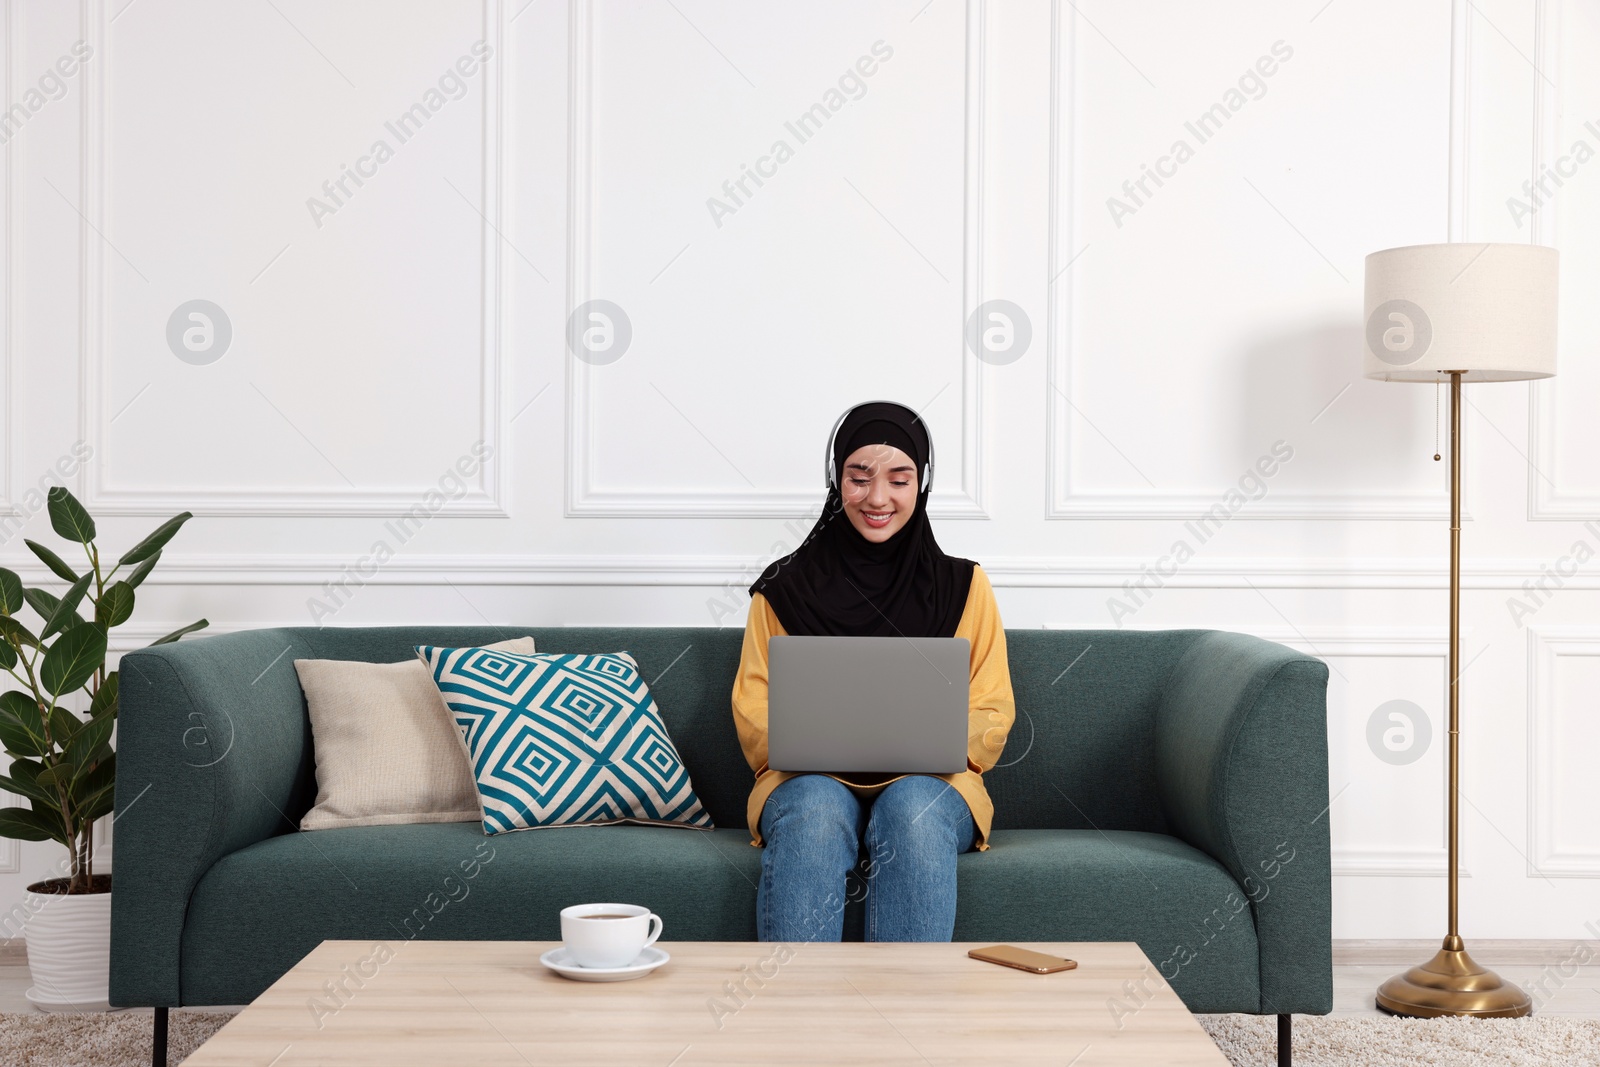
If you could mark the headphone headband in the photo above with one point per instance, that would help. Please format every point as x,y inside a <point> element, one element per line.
<point>827,459</point>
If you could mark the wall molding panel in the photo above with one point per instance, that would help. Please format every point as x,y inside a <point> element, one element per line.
<point>583,497</point>
<point>261,568</point>
<point>1014,572</point>
<point>1550,857</point>
<point>1547,500</point>
<point>1063,500</point>
<point>11,476</point>
<point>484,499</point>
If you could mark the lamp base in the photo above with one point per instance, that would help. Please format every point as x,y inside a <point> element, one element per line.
<point>1452,983</point>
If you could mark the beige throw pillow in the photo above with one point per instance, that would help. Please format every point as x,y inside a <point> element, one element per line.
<point>387,749</point>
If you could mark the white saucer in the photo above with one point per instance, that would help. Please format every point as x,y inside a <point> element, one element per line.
<point>560,961</point>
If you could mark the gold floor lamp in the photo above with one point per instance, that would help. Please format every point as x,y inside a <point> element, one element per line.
<point>1462,313</point>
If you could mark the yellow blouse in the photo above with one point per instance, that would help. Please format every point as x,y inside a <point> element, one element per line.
<point>991,708</point>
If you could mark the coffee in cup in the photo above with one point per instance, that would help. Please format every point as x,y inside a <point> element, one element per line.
<point>608,935</point>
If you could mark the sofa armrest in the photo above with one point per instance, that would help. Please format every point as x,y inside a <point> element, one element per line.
<point>213,754</point>
<point>1242,770</point>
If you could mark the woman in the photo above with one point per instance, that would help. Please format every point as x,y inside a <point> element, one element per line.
<point>871,567</point>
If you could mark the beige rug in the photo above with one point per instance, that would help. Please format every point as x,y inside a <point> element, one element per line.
<point>123,1040</point>
<point>1364,1041</point>
<point>99,1039</point>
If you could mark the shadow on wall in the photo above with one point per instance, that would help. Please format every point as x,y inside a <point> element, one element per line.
<point>1351,436</point>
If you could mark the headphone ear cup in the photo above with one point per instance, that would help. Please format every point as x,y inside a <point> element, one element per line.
<point>829,477</point>
<point>927,464</point>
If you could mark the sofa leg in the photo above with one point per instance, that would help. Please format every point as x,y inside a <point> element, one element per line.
<point>1285,1040</point>
<point>158,1040</point>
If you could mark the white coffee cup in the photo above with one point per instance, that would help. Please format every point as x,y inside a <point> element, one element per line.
<point>608,935</point>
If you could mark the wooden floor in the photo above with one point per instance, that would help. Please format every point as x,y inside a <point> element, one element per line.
<point>1544,968</point>
<point>1547,970</point>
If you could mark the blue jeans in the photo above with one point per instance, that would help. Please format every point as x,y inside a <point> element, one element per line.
<point>814,827</point>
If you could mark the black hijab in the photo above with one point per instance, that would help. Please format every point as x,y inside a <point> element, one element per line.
<point>837,583</point>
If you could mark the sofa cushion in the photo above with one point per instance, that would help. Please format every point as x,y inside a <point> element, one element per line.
<point>1081,752</point>
<point>259,910</point>
<point>1182,907</point>
<point>689,668</point>
<point>248,921</point>
<point>563,739</point>
<point>385,747</point>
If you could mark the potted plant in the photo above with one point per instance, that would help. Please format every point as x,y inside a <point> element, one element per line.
<point>57,730</point>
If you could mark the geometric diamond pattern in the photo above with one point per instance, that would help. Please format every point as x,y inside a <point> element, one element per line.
<point>563,739</point>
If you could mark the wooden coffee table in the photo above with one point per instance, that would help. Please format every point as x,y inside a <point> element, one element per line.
<point>492,1004</point>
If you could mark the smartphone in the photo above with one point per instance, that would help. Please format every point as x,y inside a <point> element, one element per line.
<point>1022,959</point>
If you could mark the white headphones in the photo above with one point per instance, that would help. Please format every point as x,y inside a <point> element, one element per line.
<point>827,459</point>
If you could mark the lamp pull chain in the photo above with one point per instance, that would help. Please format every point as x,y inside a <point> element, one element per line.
<point>1436,419</point>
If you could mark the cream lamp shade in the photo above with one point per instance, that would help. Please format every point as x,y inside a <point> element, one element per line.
<point>1487,310</point>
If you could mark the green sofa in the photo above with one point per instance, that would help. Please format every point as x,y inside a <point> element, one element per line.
<point>1164,787</point>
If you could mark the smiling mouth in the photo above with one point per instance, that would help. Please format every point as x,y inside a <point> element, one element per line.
<point>877,519</point>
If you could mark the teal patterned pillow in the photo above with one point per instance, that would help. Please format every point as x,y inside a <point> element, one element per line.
<point>563,739</point>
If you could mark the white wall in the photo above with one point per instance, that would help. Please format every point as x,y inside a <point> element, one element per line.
<point>376,339</point>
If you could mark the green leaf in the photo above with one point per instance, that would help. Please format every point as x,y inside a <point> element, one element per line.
<point>94,803</point>
<point>97,805</point>
<point>42,601</point>
<point>25,825</point>
<point>50,811</point>
<point>11,599</point>
<point>114,605</point>
<point>24,708</point>
<point>21,727</point>
<point>54,776</point>
<point>84,749</point>
<point>103,775</point>
<point>24,781</point>
<point>19,741</point>
<point>153,544</point>
<point>66,612</point>
<point>67,516</point>
<point>8,656</point>
<point>73,659</point>
<point>105,698</point>
<point>98,799</point>
<point>26,768</point>
<point>53,561</point>
<point>142,571</point>
<point>174,635</point>
<point>63,724</point>
<point>12,628</point>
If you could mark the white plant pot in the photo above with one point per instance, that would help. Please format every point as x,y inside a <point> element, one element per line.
<point>69,951</point>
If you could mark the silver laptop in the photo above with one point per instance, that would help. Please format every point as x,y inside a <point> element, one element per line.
<point>891,704</point>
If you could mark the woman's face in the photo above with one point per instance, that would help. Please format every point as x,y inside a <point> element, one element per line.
<point>879,490</point>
